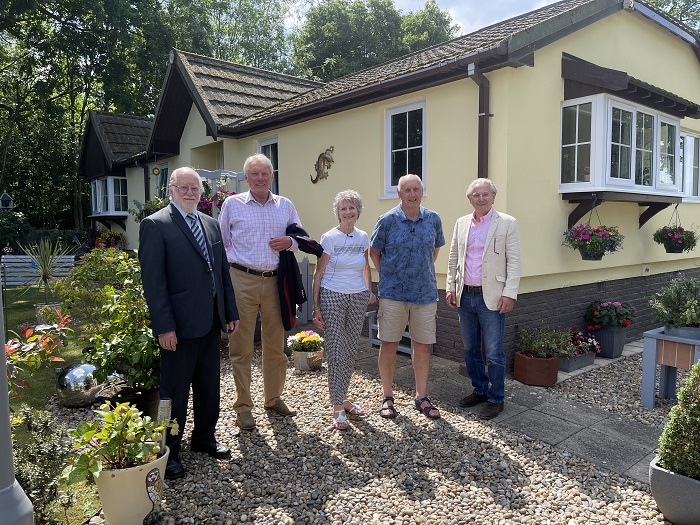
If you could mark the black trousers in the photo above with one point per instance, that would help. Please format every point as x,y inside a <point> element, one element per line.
<point>194,362</point>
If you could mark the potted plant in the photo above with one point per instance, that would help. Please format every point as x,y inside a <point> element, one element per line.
<point>537,361</point>
<point>124,342</point>
<point>674,474</point>
<point>580,351</point>
<point>123,452</point>
<point>676,239</point>
<point>307,350</point>
<point>677,306</point>
<point>608,321</point>
<point>593,241</point>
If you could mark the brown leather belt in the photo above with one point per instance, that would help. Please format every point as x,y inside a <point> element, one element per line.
<point>259,273</point>
<point>473,289</point>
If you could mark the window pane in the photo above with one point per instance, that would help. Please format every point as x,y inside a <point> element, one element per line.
<point>667,161</point>
<point>642,173</point>
<point>398,166</point>
<point>584,163</point>
<point>398,131</point>
<point>625,155</point>
<point>695,164</point>
<point>568,125</point>
<point>415,161</point>
<point>415,128</point>
<point>568,164</point>
<point>584,122</point>
<point>616,125</point>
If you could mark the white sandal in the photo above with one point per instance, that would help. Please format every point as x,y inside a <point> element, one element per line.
<point>356,412</point>
<point>340,422</point>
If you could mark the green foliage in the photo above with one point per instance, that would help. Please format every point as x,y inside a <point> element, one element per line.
<point>676,235</point>
<point>124,342</point>
<point>605,313</point>
<point>45,255</point>
<point>14,229</point>
<point>143,210</point>
<point>543,341</point>
<point>686,11</point>
<point>121,438</point>
<point>31,349</point>
<point>39,460</point>
<point>678,444</point>
<point>110,239</point>
<point>82,292</point>
<point>596,240</point>
<point>678,304</point>
<point>340,37</point>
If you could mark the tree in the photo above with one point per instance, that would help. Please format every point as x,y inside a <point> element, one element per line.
<point>686,11</point>
<point>340,37</point>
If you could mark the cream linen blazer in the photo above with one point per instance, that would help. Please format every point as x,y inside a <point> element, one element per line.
<point>501,263</point>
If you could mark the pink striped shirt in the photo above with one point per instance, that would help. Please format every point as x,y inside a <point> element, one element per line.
<point>476,242</point>
<point>247,226</point>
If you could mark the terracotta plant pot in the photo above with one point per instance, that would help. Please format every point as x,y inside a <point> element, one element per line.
<point>536,371</point>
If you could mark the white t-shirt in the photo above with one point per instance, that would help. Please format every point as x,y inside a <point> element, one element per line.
<point>343,273</point>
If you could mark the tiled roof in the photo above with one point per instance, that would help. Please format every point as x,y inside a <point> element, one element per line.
<point>233,91</point>
<point>122,136</point>
<point>471,44</point>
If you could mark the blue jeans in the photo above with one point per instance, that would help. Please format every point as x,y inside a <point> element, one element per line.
<point>474,319</point>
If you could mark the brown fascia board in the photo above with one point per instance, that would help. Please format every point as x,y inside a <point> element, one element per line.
<point>444,72</point>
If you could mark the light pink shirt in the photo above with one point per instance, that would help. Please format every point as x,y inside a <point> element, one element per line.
<point>476,241</point>
<point>247,226</point>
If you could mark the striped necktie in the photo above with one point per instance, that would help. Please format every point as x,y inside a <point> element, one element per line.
<point>197,232</point>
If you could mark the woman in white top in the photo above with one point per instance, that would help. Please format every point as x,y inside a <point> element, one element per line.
<point>342,290</point>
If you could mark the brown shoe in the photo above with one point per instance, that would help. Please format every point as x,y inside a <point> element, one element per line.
<point>472,400</point>
<point>245,420</point>
<point>282,409</point>
<point>491,410</point>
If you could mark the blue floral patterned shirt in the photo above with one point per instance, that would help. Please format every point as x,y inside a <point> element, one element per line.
<point>407,270</point>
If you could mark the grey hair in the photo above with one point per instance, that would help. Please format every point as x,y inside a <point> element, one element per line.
<point>347,195</point>
<point>175,175</point>
<point>404,178</point>
<point>258,158</point>
<point>480,181</point>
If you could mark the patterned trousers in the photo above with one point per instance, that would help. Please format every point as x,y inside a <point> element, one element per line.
<point>344,315</point>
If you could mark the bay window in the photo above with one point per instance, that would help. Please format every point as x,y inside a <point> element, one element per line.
<point>109,196</point>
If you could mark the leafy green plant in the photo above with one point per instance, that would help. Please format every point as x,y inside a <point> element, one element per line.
<point>82,291</point>
<point>124,342</point>
<point>678,304</point>
<point>543,341</point>
<point>678,450</point>
<point>30,349</point>
<point>595,240</point>
<point>45,255</point>
<point>121,438</point>
<point>14,229</point>
<point>606,313</point>
<point>110,239</point>
<point>676,235</point>
<point>144,209</point>
<point>39,459</point>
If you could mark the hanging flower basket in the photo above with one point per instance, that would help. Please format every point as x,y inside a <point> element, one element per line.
<point>676,239</point>
<point>593,241</point>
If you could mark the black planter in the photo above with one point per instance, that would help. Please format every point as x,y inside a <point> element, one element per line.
<point>587,256</point>
<point>673,247</point>
<point>611,340</point>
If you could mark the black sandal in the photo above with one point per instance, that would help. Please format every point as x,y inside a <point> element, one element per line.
<point>427,409</point>
<point>390,408</point>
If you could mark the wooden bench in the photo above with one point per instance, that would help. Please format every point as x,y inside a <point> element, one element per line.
<point>19,270</point>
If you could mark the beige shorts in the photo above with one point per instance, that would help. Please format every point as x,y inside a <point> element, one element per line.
<point>393,316</point>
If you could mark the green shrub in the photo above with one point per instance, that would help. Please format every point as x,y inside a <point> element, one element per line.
<point>39,460</point>
<point>678,304</point>
<point>678,444</point>
<point>143,210</point>
<point>543,341</point>
<point>14,229</point>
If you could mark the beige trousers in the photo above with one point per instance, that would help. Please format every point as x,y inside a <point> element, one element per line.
<point>257,294</point>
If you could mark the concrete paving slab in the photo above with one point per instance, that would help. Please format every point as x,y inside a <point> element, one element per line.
<point>605,449</point>
<point>640,470</point>
<point>524,395</point>
<point>539,425</point>
<point>626,431</point>
<point>573,411</point>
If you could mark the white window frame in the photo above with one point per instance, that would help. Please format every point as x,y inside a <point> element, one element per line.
<point>689,166</point>
<point>389,189</point>
<point>102,196</point>
<point>270,142</point>
<point>601,134</point>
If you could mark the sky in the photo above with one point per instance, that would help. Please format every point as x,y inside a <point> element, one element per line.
<point>475,14</point>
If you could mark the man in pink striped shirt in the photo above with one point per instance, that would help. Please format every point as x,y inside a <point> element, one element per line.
<point>253,226</point>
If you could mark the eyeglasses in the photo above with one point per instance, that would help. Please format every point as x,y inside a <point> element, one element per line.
<point>185,189</point>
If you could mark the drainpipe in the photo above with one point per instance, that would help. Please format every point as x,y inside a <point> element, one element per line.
<point>484,115</point>
<point>15,505</point>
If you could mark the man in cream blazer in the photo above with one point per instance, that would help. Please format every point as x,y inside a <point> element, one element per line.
<point>483,275</point>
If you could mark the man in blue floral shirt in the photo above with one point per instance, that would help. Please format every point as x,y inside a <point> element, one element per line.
<point>404,245</point>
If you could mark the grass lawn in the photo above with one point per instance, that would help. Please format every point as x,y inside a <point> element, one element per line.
<point>18,308</point>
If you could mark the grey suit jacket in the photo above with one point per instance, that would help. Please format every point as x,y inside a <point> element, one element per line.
<point>177,279</point>
<point>501,262</point>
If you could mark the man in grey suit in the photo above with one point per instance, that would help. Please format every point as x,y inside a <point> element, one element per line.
<point>191,300</point>
<point>483,275</point>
